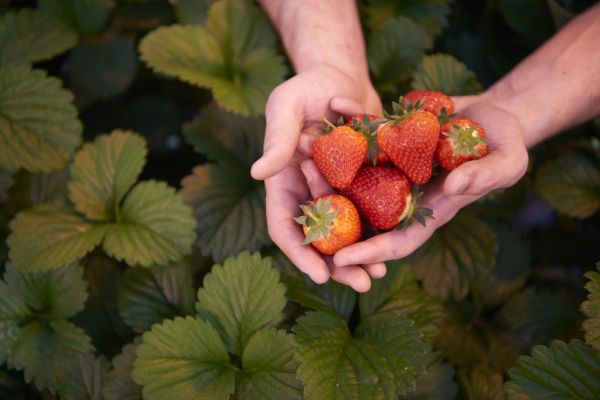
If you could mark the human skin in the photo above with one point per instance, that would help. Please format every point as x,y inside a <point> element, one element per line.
<point>553,89</point>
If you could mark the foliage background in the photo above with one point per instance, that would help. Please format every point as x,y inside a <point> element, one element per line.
<point>92,260</point>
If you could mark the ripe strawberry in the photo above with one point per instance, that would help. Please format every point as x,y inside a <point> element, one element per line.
<point>409,139</point>
<point>330,223</point>
<point>385,197</point>
<point>339,154</point>
<point>437,103</point>
<point>367,124</point>
<point>461,140</point>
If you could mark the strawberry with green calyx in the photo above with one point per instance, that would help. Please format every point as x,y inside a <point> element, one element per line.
<point>409,138</point>
<point>385,197</point>
<point>339,154</point>
<point>330,223</point>
<point>461,140</point>
<point>367,124</point>
<point>437,103</point>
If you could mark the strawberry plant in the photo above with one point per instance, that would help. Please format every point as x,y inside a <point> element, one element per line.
<point>135,260</point>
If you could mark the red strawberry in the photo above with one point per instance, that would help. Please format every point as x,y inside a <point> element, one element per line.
<point>461,140</point>
<point>367,124</point>
<point>385,197</point>
<point>339,154</point>
<point>409,139</point>
<point>437,103</point>
<point>330,223</point>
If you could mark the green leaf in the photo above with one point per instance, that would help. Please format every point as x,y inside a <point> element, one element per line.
<point>534,317</point>
<point>229,207</point>
<point>119,384</point>
<point>147,296</point>
<point>184,356</point>
<point>191,11</point>
<point>243,295</point>
<point>481,382</point>
<point>155,227</point>
<point>560,15</point>
<point>570,185</point>
<point>591,308</point>
<point>431,14</point>
<point>44,348</point>
<point>445,73</point>
<point>222,135</point>
<point>530,18</point>
<point>511,268</point>
<point>85,16</point>
<point>50,236</point>
<point>456,258</point>
<point>13,310</point>
<point>395,49</point>
<point>436,383</point>
<point>6,181</point>
<point>54,294</point>
<point>39,129</point>
<point>104,171</point>
<point>83,378</point>
<point>103,68</point>
<point>381,361</point>
<point>269,368</point>
<point>29,36</point>
<point>232,55</point>
<point>399,294</point>
<point>561,371</point>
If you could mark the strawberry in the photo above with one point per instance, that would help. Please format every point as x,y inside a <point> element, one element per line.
<point>339,155</point>
<point>461,140</point>
<point>367,124</point>
<point>385,197</point>
<point>330,223</point>
<point>437,103</point>
<point>409,139</point>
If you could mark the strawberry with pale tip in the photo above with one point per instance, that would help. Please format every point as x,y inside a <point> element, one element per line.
<point>461,140</point>
<point>409,138</point>
<point>330,223</point>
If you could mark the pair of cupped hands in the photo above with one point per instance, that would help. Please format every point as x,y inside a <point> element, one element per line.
<point>294,113</point>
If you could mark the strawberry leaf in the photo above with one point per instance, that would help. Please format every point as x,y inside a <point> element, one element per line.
<point>119,384</point>
<point>430,14</point>
<point>189,12</point>
<point>229,207</point>
<point>51,236</point>
<point>147,296</point>
<point>103,68</point>
<point>436,383</point>
<point>155,227</point>
<point>39,129</point>
<point>233,55</point>
<point>570,185</point>
<point>184,356</point>
<point>269,367</point>
<point>241,296</point>
<point>336,364</point>
<point>29,36</point>
<point>456,258</point>
<point>85,16</point>
<point>399,294</point>
<point>591,308</point>
<point>83,378</point>
<point>481,382</point>
<point>104,171</point>
<point>565,371</point>
<point>446,74</point>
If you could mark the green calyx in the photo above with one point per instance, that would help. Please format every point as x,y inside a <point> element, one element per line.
<point>369,129</point>
<point>402,109</point>
<point>464,140</point>
<point>318,218</point>
<point>327,126</point>
<point>413,211</point>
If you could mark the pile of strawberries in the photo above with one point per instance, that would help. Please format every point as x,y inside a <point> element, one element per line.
<point>377,164</point>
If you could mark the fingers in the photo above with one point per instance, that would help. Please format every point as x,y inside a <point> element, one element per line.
<point>350,275</point>
<point>376,271</point>
<point>499,169</point>
<point>346,106</point>
<point>284,193</point>
<point>284,122</point>
<point>317,184</point>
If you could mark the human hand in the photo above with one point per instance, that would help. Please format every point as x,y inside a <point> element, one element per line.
<point>294,114</point>
<point>447,193</point>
